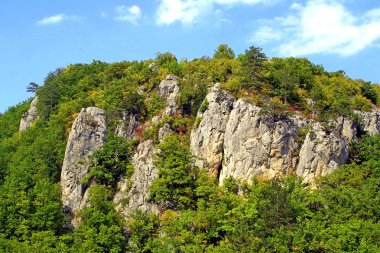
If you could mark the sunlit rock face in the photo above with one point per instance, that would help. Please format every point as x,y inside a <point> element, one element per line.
<point>371,121</point>
<point>133,193</point>
<point>87,135</point>
<point>30,116</point>
<point>235,138</point>
<point>207,138</point>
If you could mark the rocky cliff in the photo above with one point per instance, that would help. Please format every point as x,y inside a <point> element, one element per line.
<point>87,135</point>
<point>236,138</point>
<point>232,137</point>
<point>133,193</point>
<point>30,116</point>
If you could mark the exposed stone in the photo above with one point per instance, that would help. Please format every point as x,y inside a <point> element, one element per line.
<point>234,138</point>
<point>133,193</point>
<point>323,151</point>
<point>86,136</point>
<point>371,121</point>
<point>163,131</point>
<point>169,90</point>
<point>30,116</point>
<point>207,138</point>
<point>345,128</point>
<point>257,144</point>
<point>127,126</point>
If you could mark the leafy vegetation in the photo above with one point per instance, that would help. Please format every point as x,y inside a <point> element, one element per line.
<point>196,214</point>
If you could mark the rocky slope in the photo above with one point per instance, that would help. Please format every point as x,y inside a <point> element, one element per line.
<point>233,137</point>
<point>87,135</point>
<point>236,138</point>
<point>133,193</point>
<point>30,116</point>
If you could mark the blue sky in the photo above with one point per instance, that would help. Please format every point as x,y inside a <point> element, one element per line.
<point>38,36</point>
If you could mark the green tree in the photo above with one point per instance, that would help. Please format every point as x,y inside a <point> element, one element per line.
<point>253,66</point>
<point>32,87</point>
<point>175,183</point>
<point>101,227</point>
<point>112,161</point>
<point>224,52</point>
<point>369,92</point>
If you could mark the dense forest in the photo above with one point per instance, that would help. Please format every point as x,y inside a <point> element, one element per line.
<point>340,214</point>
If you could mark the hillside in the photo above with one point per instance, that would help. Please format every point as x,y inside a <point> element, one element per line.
<point>221,154</point>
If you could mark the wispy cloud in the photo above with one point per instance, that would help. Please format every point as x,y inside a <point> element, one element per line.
<point>56,19</point>
<point>51,20</point>
<point>130,14</point>
<point>188,11</point>
<point>320,26</point>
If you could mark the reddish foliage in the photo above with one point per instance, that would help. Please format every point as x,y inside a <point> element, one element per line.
<point>140,131</point>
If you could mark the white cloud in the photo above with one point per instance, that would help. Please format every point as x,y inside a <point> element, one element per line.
<point>130,14</point>
<point>188,11</point>
<point>51,20</point>
<point>56,19</point>
<point>320,26</point>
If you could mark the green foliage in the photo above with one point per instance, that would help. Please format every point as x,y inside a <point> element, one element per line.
<point>154,104</point>
<point>175,183</point>
<point>204,106</point>
<point>192,95</point>
<point>287,75</point>
<point>111,162</point>
<point>10,120</point>
<point>369,92</point>
<point>224,52</point>
<point>169,61</point>
<point>143,229</point>
<point>196,215</point>
<point>253,66</point>
<point>101,226</point>
<point>32,87</point>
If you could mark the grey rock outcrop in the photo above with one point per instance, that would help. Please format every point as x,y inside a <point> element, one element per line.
<point>324,150</point>
<point>257,144</point>
<point>371,121</point>
<point>30,116</point>
<point>169,90</point>
<point>127,126</point>
<point>235,138</point>
<point>163,131</point>
<point>207,139</point>
<point>86,136</point>
<point>133,193</point>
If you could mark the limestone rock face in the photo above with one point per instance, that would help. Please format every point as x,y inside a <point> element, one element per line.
<point>235,138</point>
<point>169,90</point>
<point>371,121</point>
<point>323,151</point>
<point>258,144</point>
<point>133,193</point>
<point>207,139</point>
<point>87,135</point>
<point>127,126</point>
<point>30,116</point>
<point>163,131</point>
